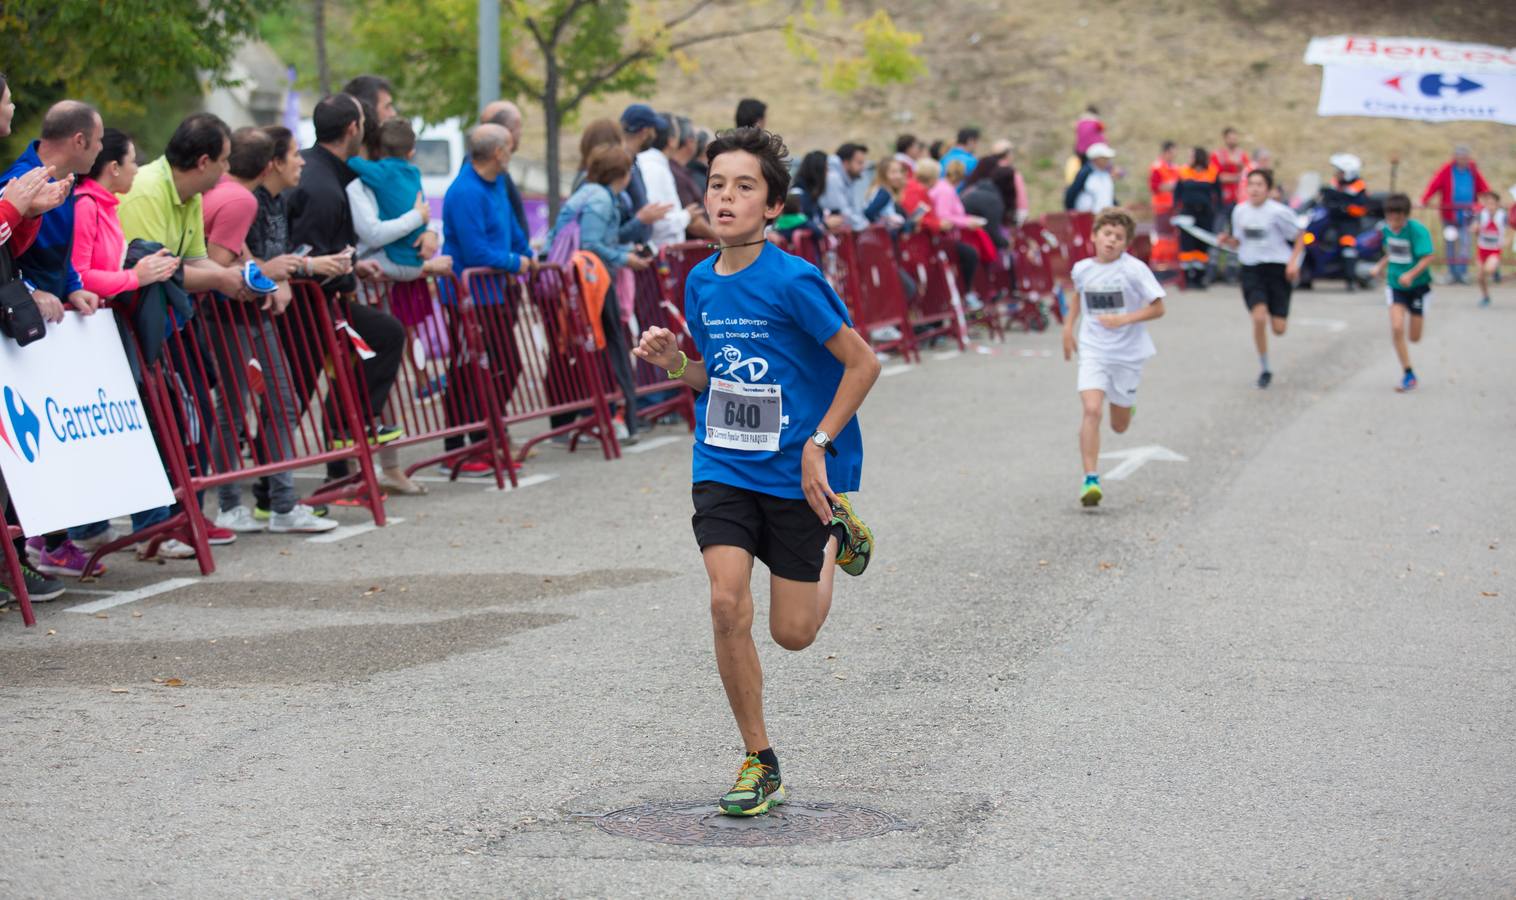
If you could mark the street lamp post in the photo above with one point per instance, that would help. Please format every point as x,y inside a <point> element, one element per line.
<point>489,51</point>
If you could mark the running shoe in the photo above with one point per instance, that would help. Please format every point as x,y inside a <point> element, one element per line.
<point>215,535</point>
<point>67,560</point>
<point>474,468</point>
<point>379,434</point>
<point>1091,495</point>
<point>1407,384</point>
<point>758,790</point>
<point>40,588</point>
<point>263,513</point>
<point>854,552</point>
<point>1484,301</point>
<point>35,546</point>
<point>96,541</point>
<point>172,548</point>
<point>239,519</point>
<point>256,281</point>
<point>302,519</point>
<point>1265,378</point>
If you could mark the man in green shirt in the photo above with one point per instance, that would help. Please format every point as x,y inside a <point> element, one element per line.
<point>164,202</point>
<point>1407,256</point>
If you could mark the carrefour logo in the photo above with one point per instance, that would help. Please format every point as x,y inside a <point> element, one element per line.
<point>68,422</point>
<point>1436,85</point>
<point>24,425</point>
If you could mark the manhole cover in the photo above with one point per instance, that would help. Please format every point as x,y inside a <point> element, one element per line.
<point>695,823</point>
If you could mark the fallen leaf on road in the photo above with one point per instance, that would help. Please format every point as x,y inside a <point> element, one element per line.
<point>101,615</point>
<point>51,632</point>
<point>1107,565</point>
<point>136,613</point>
<point>213,640</point>
<point>1042,562</point>
<point>120,691</point>
<point>173,682</point>
<point>839,676</point>
<point>376,589</point>
<point>1489,593</point>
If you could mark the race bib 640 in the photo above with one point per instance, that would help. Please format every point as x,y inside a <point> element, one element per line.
<point>743,416</point>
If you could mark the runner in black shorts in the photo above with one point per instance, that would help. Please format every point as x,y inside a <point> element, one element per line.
<point>1407,256</point>
<point>1263,232</point>
<point>777,441</point>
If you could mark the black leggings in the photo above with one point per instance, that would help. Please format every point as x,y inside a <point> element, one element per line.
<point>968,262</point>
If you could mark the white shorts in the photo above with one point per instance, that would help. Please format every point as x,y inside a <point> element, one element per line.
<point>1119,380</point>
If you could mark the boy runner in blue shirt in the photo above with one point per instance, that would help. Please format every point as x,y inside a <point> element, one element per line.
<point>781,376</point>
<point>1407,256</point>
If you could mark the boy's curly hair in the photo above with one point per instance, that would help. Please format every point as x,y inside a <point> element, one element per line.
<point>773,156</point>
<point>1118,218</point>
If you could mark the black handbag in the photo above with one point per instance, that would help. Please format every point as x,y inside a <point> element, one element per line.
<point>20,319</point>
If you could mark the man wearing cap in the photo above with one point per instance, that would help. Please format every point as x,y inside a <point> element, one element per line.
<point>658,178</point>
<point>1094,188</point>
<point>1458,184</point>
<point>639,129</point>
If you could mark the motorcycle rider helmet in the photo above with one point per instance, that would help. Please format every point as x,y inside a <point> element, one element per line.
<point>1348,164</point>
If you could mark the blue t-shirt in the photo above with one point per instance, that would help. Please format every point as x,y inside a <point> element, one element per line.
<point>768,325</point>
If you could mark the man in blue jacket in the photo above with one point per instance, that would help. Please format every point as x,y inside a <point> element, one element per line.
<point>71,133</point>
<point>480,231</point>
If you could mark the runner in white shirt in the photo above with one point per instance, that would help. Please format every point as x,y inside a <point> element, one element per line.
<point>1264,234</point>
<point>1488,240</point>
<point>1117,294</point>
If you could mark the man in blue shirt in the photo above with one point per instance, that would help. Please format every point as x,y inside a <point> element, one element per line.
<point>963,151</point>
<point>780,380</point>
<point>480,231</point>
<point>71,134</point>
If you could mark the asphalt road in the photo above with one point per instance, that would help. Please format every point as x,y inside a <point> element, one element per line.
<point>1283,667</point>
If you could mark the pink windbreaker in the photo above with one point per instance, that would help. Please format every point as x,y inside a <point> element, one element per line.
<point>99,246</point>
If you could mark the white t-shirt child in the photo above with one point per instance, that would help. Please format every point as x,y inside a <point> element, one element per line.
<point>1266,232</point>
<point>1122,286</point>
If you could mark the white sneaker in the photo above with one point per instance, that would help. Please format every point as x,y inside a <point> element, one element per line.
<point>170,549</point>
<point>238,519</point>
<point>972,301</point>
<point>300,519</point>
<point>92,544</point>
<point>886,334</point>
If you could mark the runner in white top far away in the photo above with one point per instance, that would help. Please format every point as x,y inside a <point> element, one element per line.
<point>1264,234</point>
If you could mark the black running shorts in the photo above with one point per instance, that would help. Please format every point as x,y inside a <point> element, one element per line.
<point>785,534</point>
<point>1413,299</point>
<point>1265,283</point>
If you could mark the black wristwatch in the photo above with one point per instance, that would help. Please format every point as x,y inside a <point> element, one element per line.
<point>824,441</point>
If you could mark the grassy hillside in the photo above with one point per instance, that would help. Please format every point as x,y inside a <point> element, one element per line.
<point>1156,68</point>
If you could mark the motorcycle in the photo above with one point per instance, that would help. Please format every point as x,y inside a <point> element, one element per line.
<point>1342,238</point>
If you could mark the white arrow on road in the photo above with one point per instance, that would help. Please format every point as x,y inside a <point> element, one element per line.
<point>1333,325</point>
<point>1135,458</point>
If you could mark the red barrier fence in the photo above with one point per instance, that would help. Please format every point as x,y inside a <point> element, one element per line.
<point>238,393</point>
<point>16,577</point>
<point>539,359</point>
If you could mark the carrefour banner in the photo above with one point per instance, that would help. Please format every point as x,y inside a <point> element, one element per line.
<point>75,446</point>
<point>1441,96</point>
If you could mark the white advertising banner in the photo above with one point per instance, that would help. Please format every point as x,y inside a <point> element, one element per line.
<point>1443,96</point>
<point>1410,54</point>
<point>75,446</point>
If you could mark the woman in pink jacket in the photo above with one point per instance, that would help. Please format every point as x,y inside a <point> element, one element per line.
<point>948,207</point>
<point>99,247</point>
<point>99,252</point>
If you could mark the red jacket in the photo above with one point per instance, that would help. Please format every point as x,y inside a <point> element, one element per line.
<point>1442,185</point>
<point>16,231</point>
<point>914,195</point>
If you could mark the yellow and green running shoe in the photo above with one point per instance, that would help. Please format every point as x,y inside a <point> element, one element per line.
<point>758,790</point>
<point>1091,495</point>
<point>854,552</point>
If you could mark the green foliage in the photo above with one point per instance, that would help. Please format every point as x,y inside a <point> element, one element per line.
<point>124,56</point>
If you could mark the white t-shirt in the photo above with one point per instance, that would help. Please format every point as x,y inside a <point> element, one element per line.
<point>658,178</point>
<point>1123,286</point>
<point>1099,192</point>
<point>1267,232</point>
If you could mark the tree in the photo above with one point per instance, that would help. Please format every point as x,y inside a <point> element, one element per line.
<point>121,57</point>
<point>564,52</point>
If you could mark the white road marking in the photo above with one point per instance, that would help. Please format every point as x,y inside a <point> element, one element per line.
<point>652,444</point>
<point>141,593</point>
<point>1333,325</point>
<point>528,481</point>
<point>948,354</point>
<point>1136,458</point>
<point>896,369</point>
<point>347,531</point>
<point>1038,354</point>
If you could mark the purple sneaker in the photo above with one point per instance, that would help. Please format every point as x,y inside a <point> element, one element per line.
<point>34,549</point>
<point>67,560</point>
